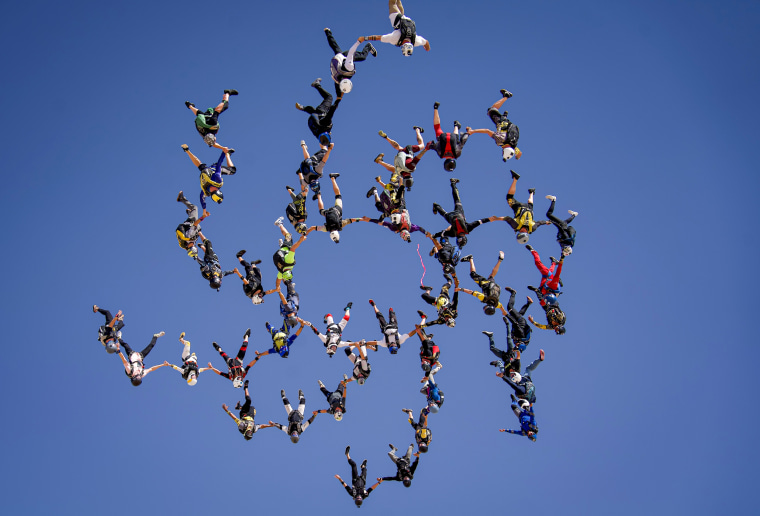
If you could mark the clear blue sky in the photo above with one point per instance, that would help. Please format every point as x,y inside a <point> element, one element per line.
<point>639,115</point>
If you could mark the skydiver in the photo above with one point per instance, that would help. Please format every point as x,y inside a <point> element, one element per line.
<point>447,308</point>
<point>433,394</point>
<point>311,168</point>
<point>295,426</point>
<point>358,482</point>
<point>509,360</point>
<point>507,134</point>
<point>445,252</point>
<point>391,200</point>
<point>565,232</point>
<point>336,399</point>
<point>289,304</point>
<point>211,176</point>
<point>392,339</point>
<point>236,372</point>
<point>285,258</point>
<point>342,64</point>
<point>458,225</point>
<point>245,423</point>
<point>362,369</point>
<point>189,369</point>
<point>448,146</point>
<point>189,230</point>
<point>521,330</point>
<point>252,287</point>
<point>332,336</point>
<point>404,472</point>
<point>296,209</point>
<point>134,368</point>
<point>320,117</point>
<point>429,354</point>
<point>334,222</point>
<point>210,267</point>
<point>522,383</point>
<point>400,223</point>
<point>524,412</point>
<point>547,293</point>
<point>281,343</point>
<point>491,290</point>
<point>523,222</point>
<point>109,334</point>
<point>207,123</point>
<point>405,161</point>
<point>422,433</point>
<point>404,34</point>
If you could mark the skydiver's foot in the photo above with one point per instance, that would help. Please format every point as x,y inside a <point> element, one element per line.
<point>327,29</point>
<point>393,447</point>
<point>371,192</point>
<point>529,247</point>
<point>436,105</point>
<point>573,213</point>
<point>348,351</point>
<point>421,314</point>
<point>415,127</point>
<point>529,300</point>
<point>531,287</point>
<point>181,196</point>
<point>95,309</point>
<point>248,333</point>
<point>372,49</point>
<point>501,255</point>
<point>299,107</point>
<point>315,197</point>
<point>457,125</point>
<point>423,287</point>
<point>372,302</point>
<point>515,175</point>
<point>231,92</point>
<point>466,258</point>
<point>245,384</point>
<point>278,222</point>
<point>541,355</point>
<point>345,377</point>
<point>181,336</point>
<point>282,393</point>
<point>553,259</point>
<point>453,180</point>
<point>508,289</point>
<point>321,384</point>
<point>364,463</point>
<point>238,406</point>
<point>334,174</point>
<point>189,104</point>
<point>488,334</point>
<point>551,198</point>
<point>560,283</point>
<point>159,334</point>
<point>494,363</point>
<point>378,159</point>
<point>300,393</point>
<point>531,190</point>
<point>229,151</point>
<point>216,346</point>
<point>406,410</point>
<point>317,82</point>
<point>256,262</point>
<point>348,306</point>
<point>436,208</point>
<point>382,134</point>
<point>185,147</point>
<point>506,94</point>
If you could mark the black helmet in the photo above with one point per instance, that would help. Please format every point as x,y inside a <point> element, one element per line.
<point>560,330</point>
<point>489,309</point>
<point>461,241</point>
<point>215,282</point>
<point>407,481</point>
<point>423,448</point>
<point>358,500</point>
<point>450,164</point>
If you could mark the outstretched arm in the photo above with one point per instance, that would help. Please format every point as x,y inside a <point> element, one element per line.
<point>217,371</point>
<point>300,241</point>
<point>227,410</point>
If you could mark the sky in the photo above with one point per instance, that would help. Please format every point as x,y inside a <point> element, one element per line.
<point>641,116</point>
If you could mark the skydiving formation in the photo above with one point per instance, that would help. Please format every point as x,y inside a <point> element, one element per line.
<point>390,202</point>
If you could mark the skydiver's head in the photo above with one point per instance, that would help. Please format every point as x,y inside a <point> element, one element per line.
<point>451,322</point>
<point>345,85</point>
<point>461,241</point>
<point>237,382</point>
<point>257,298</point>
<point>192,378</point>
<point>522,236</point>
<point>405,235</point>
<point>434,408</point>
<point>338,414</point>
<point>192,251</point>
<point>301,228</point>
<point>507,153</point>
<point>291,319</point>
<point>360,380</point>
<point>559,330</point>
<point>489,309</point>
<point>515,377</point>
<point>358,500</point>
<point>407,481</point>
<point>407,48</point>
<point>210,139</point>
<point>393,349</point>
<point>335,236</point>
<point>215,281</point>
<point>567,250</point>
<point>136,380</point>
<point>449,164</point>
<point>294,437</point>
<point>422,447</point>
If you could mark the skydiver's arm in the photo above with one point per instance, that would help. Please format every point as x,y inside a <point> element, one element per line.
<point>217,371</point>
<point>300,241</point>
<point>226,409</point>
<point>154,368</point>
<point>305,150</point>
<point>327,154</point>
<point>124,361</point>
<point>470,130</point>
<point>539,325</point>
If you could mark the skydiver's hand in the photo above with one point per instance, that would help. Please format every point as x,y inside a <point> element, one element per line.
<point>224,406</point>
<point>502,430</point>
<point>530,318</point>
<point>361,39</point>
<point>315,413</point>
<point>205,213</point>
<point>166,363</point>
<point>331,146</point>
<point>380,480</point>
<point>235,270</point>
<point>210,366</point>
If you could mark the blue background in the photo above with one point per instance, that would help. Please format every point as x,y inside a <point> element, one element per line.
<point>639,115</point>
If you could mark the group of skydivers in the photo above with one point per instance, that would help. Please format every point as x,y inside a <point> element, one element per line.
<point>390,203</point>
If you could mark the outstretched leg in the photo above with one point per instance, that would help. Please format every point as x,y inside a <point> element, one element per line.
<point>285,402</point>
<point>147,349</point>
<point>192,157</point>
<point>495,270</point>
<point>333,44</point>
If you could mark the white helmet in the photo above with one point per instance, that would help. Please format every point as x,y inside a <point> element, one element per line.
<point>335,235</point>
<point>522,238</point>
<point>192,379</point>
<point>338,415</point>
<point>237,382</point>
<point>407,49</point>
<point>210,139</point>
<point>361,380</point>
<point>507,153</point>
<point>567,250</point>
<point>515,377</point>
<point>524,404</point>
<point>346,85</point>
<point>257,299</point>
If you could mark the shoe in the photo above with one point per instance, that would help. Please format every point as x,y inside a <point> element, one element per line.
<point>531,190</point>
<point>436,208</point>
<point>238,406</point>
<point>495,363</point>
<point>573,213</point>
<point>240,253</point>
<point>181,196</point>
<point>314,197</point>
<point>423,287</point>
<point>515,175</point>
<point>421,314</point>
<point>501,255</point>
<point>436,105</point>
<point>231,92</point>
<point>299,107</point>
<point>321,384</point>
<point>371,192</point>
<point>372,302</point>
<point>508,289</point>
<point>348,351</point>
<point>551,198</point>
<point>278,222</point>
<point>364,463</point>
<point>513,398</point>
<point>348,306</point>
<point>466,258</point>
<point>378,159</point>
<point>541,355</point>
<point>529,247</point>
<point>159,334</point>
<point>348,448</point>
<point>216,346</point>
<point>334,174</point>
<point>457,125</point>
<point>405,410</point>
<point>248,332</point>
<point>230,151</point>
<point>382,134</point>
<point>372,49</point>
<point>506,94</point>
<point>415,127</point>
<point>300,393</point>
<point>317,82</point>
<point>185,147</point>
<point>189,104</point>
<point>553,259</point>
<point>181,336</point>
<point>393,447</point>
<point>489,334</point>
<point>531,287</point>
<point>255,262</point>
<point>345,377</point>
<point>327,30</point>
<point>453,180</point>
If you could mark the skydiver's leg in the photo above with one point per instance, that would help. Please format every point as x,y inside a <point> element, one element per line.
<point>149,347</point>
<point>224,355</point>
<point>327,101</point>
<point>354,472</point>
<point>126,348</point>
<point>107,315</point>
<point>525,306</point>
<point>428,298</point>
<point>393,142</point>
<point>495,269</point>
<point>539,265</point>
<point>392,454</point>
<point>392,316</point>
<point>285,402</point>
<point>192,157</point>
<point>553,283</point>
<point>243,349</point>
<point>409,451</point>
<point>381,319</point>
<point>301,402</point>
<point>333,44</point>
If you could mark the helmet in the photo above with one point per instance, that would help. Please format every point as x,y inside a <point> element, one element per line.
<point>331,349</point>
<point>407,481</point>
<point>524,404</point>
<point>434,408</point>
<point>192,252</point>
<point>450,164</point>
<point>358,500</point>
<point>215,282</point>
<point>210,139</point>
<point>461,241</point>
<point>422,447</point>
<point>217,196</point>
<point>112,347</point>
<point>345,85</point>
<point>567,250</point>
<point>243,426</point>
<point>292,320</point>
<point>324,139</point>
<point>406,235</point>
<point>192,379</point>
<point>521,346</point>
<point>451,323</point>
<point>551,299</point>
<point>425,366</point>
<point>515,377</point>
<point>522,238</point>
<point>393,349</point>
<point>257,299</point>
<point>335,236</point>
<point>441,302</point>
<point>294,437</point>
<point>237,382</point>
<point>136,380</point>
<point>361,380</point>
<point>559,330</point>
<point>407,49</point>
<point>338,414</point>
<point>507,153</point>
<point>489,309</point>
<point>301,228</point>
